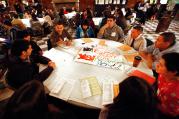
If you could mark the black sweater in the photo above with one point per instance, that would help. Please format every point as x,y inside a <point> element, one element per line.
<point>20,72</point>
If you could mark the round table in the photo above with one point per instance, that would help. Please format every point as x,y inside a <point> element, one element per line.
<point>65,81</point>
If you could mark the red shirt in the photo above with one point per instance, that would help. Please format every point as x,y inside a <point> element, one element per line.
<point>168,94</point>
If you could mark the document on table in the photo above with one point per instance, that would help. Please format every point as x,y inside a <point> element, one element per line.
<point>108,93</point>
<point>90,87</point>
<point>63,88</point>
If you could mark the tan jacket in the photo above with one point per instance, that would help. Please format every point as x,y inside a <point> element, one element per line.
<point>139,43</point>
<point>18,23</point>
<point>115,33</point>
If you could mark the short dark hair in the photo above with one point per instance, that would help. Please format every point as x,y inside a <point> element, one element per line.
<point>169,37</point>
<point>16,16</point>
<point>171,62</point>
<point>85,22</point>
<point>111,17</point>
<point>25,33</point>
<point>138,27</point>
<point>60,23</point>
<point>18,46</point>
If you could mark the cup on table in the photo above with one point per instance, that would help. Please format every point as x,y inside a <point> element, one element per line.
<point>137,60</point>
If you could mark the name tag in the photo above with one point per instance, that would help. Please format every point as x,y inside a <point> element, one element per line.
<point>65,39</point>
<point>113,34</point>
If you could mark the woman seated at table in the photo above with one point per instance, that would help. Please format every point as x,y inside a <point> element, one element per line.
<point>135,100</point>
<point>168,85</point>
<point>60,36</point>
<point>85,31</point>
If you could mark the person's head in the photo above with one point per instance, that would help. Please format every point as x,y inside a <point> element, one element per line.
<point>135,97</point>
<point>59,27</point>
<point>136,31</point>
<point>21,48</point>
<point>168,65</point>
<point>34,17</point>
<point>26,35</point>
<point>111,21</point>
<point>16,16</point>
<point>165,40</point>
<point>28,102</point>
<point>7,22</point>
<point>85,25</point>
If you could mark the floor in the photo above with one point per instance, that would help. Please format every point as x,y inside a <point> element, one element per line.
<point>149,32</point>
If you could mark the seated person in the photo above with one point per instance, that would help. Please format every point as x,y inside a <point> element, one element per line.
<point>135,39</point>
<point>36,26</point>
<point>135,100</point>
<point>168,84</point>
<point>111,30</point>
<point>60,36</point>
<point>30,102</point>
<point>165,43</point>
<point>23,68</point>
<point>36,49</point>
<point>84,31</point>
<point>17,22</point>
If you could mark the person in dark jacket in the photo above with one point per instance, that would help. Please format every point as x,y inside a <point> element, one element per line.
<point>30,102</point>
<point>23,68</point>
<point>37,51</point>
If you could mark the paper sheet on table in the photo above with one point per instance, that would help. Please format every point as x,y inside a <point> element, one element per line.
<point>85,89</point>
<point>125,48</point>
<point>108,93</point>
<point>130,57</point>
<point>94,85</point>
<point>87,40</point>
<point>102,43</point>
<point>65,90</point>
<point>58,86</point>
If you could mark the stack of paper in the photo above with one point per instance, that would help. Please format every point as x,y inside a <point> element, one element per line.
<point>108,93</point>
<point>62,88</point>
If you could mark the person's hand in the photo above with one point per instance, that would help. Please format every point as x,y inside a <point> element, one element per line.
<point>150,59</point>
<point>106,26</point>
<point>60,42</point>
<point>144,55</point>
<point>68,43</point>
<point>51,64</point>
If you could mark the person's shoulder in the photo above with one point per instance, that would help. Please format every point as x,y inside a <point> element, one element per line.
<point>117,27</point>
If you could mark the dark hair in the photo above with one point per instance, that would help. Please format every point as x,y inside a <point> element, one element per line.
<point>28,102</point>
<point>171,62</point>
<point>25,33</point>
<point>111,17</point>
<point>7,22</point>
<point>18,46</point>
<point>34,17</point>
<point>60,23</point>
<point>135,100</point>
<point>85,22</point>
<point>16,16</point>
<point>169,37</point>
<point>138,27</point>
